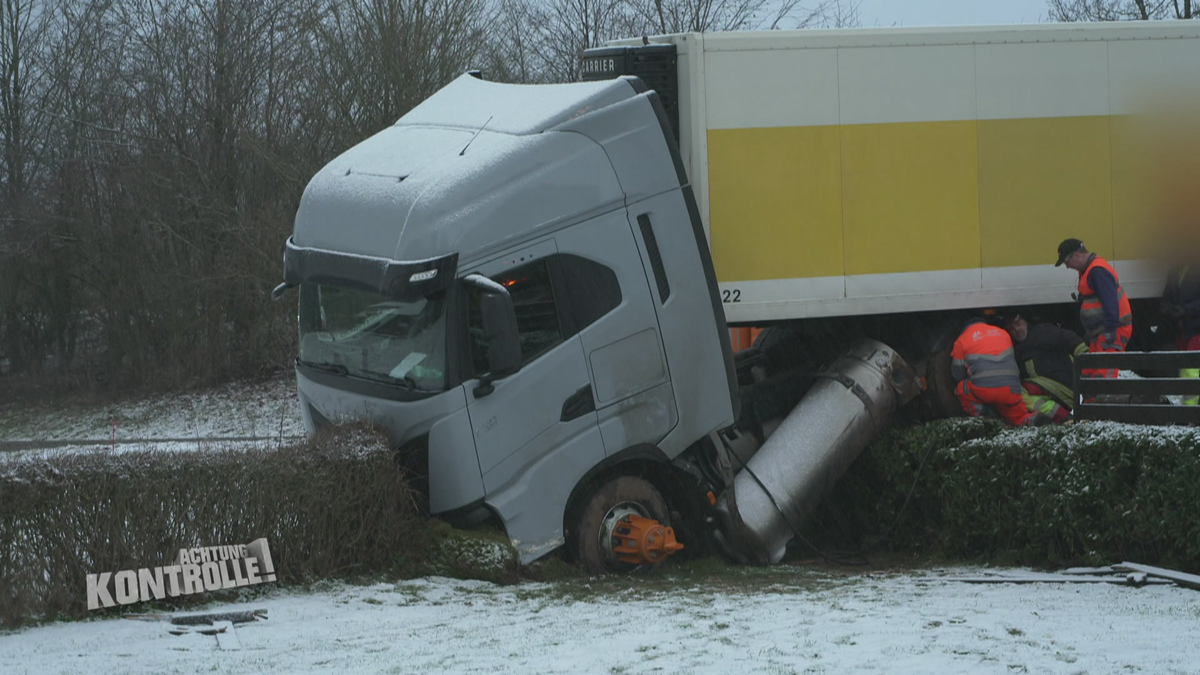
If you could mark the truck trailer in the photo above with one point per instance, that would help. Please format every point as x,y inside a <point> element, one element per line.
<point>883,171</point>
<point>529,286</point>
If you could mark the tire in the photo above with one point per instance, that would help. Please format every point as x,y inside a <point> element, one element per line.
<point>619,494</point>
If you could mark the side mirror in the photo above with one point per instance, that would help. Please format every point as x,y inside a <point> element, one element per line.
<point>499,332</point>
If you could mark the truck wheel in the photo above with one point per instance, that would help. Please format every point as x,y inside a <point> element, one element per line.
<point>613,503</point>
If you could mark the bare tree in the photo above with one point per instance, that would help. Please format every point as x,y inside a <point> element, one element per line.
<point>379,58</point>
<point>509,53</point>
<point>23,133</point>
<point>23,28</point>
<point>152,153</point>
<point>560,30</point>
<point>1120,10</point>
<point>676,16</point>
<point>543,40</point>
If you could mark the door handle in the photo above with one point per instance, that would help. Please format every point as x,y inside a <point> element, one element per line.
<point>578,404</point>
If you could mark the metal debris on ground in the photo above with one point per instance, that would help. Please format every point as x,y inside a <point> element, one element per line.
<point>1053,578</point>
<point>1184,579</point>
<point>205,630</point>
<point>1107,569</point>
<point>1127,573</point>
<point>209,618</point>
<point>227,638</point>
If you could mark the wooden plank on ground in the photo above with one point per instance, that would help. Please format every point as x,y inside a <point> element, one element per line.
<point>202,629</point>
<point>204,619</point>
<point>1089,570</point>
<point>244,616</point>
<point>1182,578</point>
<point>148,617</point>
<point>1040,578</point>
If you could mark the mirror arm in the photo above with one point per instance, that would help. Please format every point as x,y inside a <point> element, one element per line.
<point>484,284</point>
<point>279,290</point>
<point>485,386</point>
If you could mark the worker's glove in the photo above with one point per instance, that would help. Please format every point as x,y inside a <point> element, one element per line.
<point>1110,340</point>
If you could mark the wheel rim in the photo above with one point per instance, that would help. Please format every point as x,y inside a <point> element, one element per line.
<point>616,514</point>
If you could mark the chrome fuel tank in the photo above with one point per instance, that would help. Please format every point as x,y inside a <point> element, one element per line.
<point>853,400</point>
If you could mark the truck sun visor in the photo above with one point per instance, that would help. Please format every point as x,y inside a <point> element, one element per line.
<point>394,278</point>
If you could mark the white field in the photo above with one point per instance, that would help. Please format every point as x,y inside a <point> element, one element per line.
<point>785,620</point>
<point>267,410</point>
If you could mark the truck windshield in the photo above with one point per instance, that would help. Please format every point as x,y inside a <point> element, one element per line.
<point>366,335</point>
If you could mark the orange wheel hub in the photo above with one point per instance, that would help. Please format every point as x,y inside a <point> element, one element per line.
<point>638,540</point>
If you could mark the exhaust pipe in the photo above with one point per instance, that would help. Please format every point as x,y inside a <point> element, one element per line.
<point>853,400</point>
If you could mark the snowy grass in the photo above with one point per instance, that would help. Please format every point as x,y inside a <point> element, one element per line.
<point>782,620</point>
<point>267,409</point>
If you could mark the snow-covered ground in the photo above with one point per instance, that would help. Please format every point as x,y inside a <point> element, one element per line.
<point>265,410</point>
<point>781,620</point>
<point>785,620</point>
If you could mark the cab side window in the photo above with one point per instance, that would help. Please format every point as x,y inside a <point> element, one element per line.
<point>538,320</point>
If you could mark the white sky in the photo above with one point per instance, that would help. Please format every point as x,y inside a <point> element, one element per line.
<point>880,13</point>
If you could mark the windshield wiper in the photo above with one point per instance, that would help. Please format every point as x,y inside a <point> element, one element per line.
<point>335,368</point>
<point>407,381</point>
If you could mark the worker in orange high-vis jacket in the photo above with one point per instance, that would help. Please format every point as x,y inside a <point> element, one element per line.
<point>986,371</point>
<point>1103,308</point>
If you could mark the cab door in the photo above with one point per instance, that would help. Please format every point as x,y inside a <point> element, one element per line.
<point>536,430</point>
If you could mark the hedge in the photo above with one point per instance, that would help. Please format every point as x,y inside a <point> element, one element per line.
<point>1084,493</point>
<point>337,505</point>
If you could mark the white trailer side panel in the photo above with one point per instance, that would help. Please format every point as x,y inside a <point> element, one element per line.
<point>891,170</point>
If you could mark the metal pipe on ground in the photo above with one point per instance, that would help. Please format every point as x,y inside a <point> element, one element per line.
<point>853,400</point>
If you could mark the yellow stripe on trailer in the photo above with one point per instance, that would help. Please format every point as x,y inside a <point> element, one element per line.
<point>1040,181</point>
<point>777,203</point>
<point>798,202</point>
<point>910,197</point>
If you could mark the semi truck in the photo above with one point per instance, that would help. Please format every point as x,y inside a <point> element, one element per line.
<point>531,286</point>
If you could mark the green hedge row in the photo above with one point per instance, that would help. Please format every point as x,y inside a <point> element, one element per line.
<point>336,505</point>
<point>1084,493</point>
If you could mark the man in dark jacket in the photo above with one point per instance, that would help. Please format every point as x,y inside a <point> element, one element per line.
<point>1104,310</point>
<point>1046,355</point>
<point>1181,302</point>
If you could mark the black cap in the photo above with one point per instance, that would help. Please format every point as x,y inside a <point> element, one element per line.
<point>1066,248</point>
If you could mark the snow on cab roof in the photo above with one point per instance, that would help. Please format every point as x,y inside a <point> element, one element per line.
<point>518,109</point>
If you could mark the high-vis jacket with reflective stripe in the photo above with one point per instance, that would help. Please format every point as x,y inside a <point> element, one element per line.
<point>983,354</point>
<point>1091,310</point>
<point>1049,352</point>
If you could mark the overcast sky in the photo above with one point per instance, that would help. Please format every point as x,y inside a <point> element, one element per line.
<point>949,12</point>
